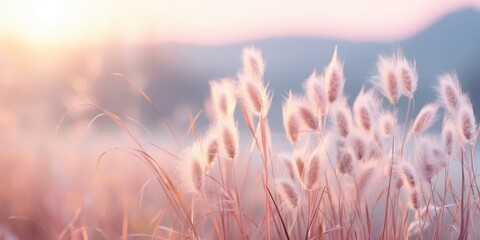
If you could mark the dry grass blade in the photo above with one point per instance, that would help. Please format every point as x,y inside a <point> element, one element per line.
<point>63,234</point>
<point>149,100</point>
<point>191,127</point>
<point>284,227</point>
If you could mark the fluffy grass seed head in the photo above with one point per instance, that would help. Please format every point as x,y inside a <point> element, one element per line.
<point>425,118</point>
<point>334,79</point>
<point>364,176</point>
<point>358,145</point>
<point>193,171</point>
<point>312,170</point>
<point>408,176</point>
<point>287,162</point>
<point>222,102</point>
<point>309,119</point>
<point>365,109</point>
<point>407,73</point>
<point>342,117</point>
<point>300,167</point>
<point>344,163</point>
<point>291,121</point>
<point>228,133</point>
<point>431,156</point>
<point>254,96</point>
<point>414,199</point>
<point>388,79</point>
<point>251,90</point>
<point>316,93</point>
<point>396,174</point>
<point>450,137</point>
<point>387,124</point>
<point>466,122</point>
<point>449,92</point>
<point>297,117</point>
<point>211,144</point>
<point>289,195</point>
<point>253,63</point>
<point>299,157</point>
<point>311,177</point>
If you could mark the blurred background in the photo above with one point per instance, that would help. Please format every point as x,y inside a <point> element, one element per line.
<point>55,55</point>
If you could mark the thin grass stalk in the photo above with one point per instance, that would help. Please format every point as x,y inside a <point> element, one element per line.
<point>442,206</point>
<point>399,218</point>
<point>284,226</point>
<point>211,216</point>
<point>472,167</point>
<point>369,222</point>
<point>317,203</point>
<point>393,219</point>
<point>239,207</point>
<point>303,223</point>
<point>264,160</point>
<point>469,198</point>
<point>222,196</point>
<point>265,167</point>
<point>462,208</point>
<point>191,127</point>
<point>192,213</point>
<point>423,222</point>
<point>172,187</point>
<point>290,228</point>
<point>387,201</point>
<point>438,212</point>
<point>405,126</point>
<point>432,196</point>
<point>394,212</point>
<point>309,222</point>
<point>314,214</point>
<point>125,218</point>
<point>468,219</point>
<point>315,206</point>
<point>334,213</point>
<point>320,129</point>
<point>442,202</point>
<point>355,215</point>
<point>341,197</point>
<point>405,219</point>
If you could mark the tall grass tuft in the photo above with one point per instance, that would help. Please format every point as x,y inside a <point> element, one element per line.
<point>343,174</point>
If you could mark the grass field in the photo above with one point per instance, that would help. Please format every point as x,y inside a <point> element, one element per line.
<point>337,171</point>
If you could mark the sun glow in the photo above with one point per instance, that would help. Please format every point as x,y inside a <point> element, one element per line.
<point>43,23</point>
<point>60,22</point>
<point>47,20</point>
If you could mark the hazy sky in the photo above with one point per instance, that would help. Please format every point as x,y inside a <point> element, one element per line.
<point>43,22</point>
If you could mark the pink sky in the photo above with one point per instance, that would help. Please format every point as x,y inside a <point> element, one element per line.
<point>217,22</point>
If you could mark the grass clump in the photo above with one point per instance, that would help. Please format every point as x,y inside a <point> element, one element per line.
<point>345,172</point>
